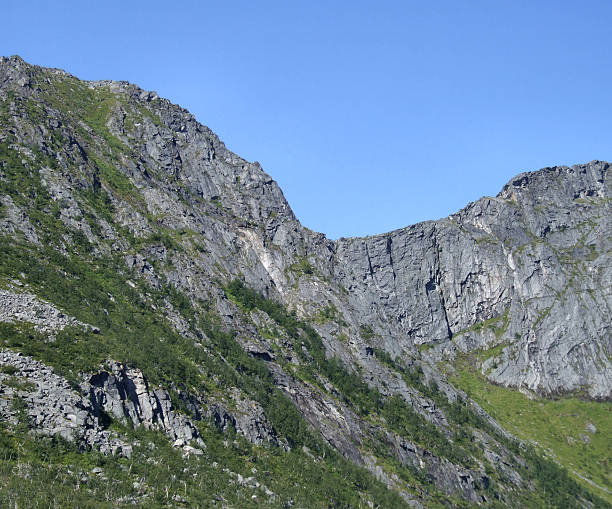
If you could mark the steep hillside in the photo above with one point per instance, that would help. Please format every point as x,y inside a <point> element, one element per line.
<point>182,340</point>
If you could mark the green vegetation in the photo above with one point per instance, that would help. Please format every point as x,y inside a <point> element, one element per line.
<point>18,384</point>
<point>556,486</point>
<point>366,332</point>
<point>8,369</point>
<point>365,400</point>
<point>497,324</point>
<point>329,313</point>
<point>21,181</point>
<point>302,268</point>
<point>557,425</point>
<point>50,472</point>
<point>97,293</point>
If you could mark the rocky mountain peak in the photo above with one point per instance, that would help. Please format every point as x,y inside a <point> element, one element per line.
<point>168,140</point>
<point>164,308</point>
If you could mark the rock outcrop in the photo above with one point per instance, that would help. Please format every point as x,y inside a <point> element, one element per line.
<point>32,392</point>
<point>132,198</point>
<point>54,407</point>
<point>247,418</point>
<point>123,394</point>
<point>528,270</point>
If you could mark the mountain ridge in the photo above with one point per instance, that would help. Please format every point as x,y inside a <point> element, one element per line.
<point>361,336</point>
<point>152,95</point>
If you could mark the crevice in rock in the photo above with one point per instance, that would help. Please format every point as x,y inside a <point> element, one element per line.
<point>369,260</point>
<point>389,242</point>
<point>437,279</point>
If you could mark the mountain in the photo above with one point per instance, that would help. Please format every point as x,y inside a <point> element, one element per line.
<point>173,336</point>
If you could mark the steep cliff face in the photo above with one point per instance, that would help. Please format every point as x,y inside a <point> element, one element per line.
<point>528,270</point>
<point>161,282</point>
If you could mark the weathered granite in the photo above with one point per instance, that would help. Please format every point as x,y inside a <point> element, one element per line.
<point>528,270</point>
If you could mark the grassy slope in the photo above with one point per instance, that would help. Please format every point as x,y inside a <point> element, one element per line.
<point>95,290</point>
<point>53,473</point>
<point>556,425</point>
<point>133,332</point>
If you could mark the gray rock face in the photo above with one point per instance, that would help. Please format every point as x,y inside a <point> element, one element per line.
<point>124,394</point>
<point>248,420</point>
<point>527,273</point>
<point>51,406</point>
<point>529,270</point>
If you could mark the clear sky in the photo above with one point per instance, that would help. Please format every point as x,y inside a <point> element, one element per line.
<point>370,115</point>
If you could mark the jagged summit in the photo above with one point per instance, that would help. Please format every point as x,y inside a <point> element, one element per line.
<point>180,118</point>
<point>174,152</point>
<point>152,279</point>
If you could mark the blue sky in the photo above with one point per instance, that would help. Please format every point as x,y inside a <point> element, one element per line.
<point>370,115</point>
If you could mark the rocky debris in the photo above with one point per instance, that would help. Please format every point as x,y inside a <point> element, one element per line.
<point>526,272</point>
<point>26,307</point>
<point>52,406</point>
<point>16,220</point>
<point>124,394</point>
<point>250,482</point>
<point>246,417</point>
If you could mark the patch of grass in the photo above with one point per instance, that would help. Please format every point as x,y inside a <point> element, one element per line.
<point>329,313</point>
<point>342,337</point>
<point>483,355</point>
<point>267,333</point>
<point>366,332</point>
<point>425,347</point>
<point>8,369</point>
<point>302,268</point>
<point>19,384</point>
<point>486,239</point>
<point>556,425</point>
<point>542,314</point>
<point>497,324</point>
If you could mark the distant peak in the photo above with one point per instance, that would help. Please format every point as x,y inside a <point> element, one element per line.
<point>12,59</point>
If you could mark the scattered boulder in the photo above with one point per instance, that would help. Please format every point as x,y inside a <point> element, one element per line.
<point>26,307</point>
<point>124,394</point>
<point>52,406</point>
